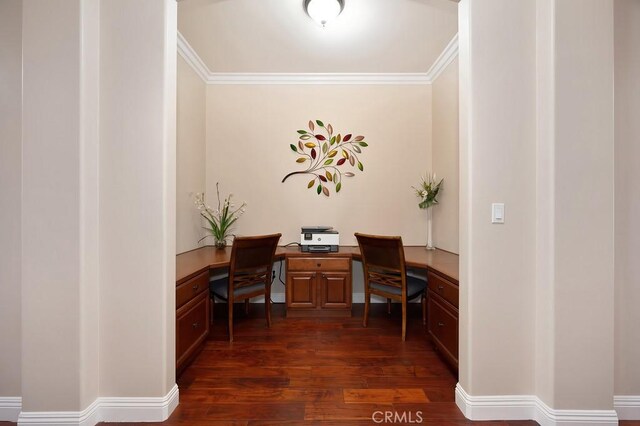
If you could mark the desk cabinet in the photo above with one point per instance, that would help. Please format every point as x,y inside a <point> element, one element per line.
<point>318,286</point>
<point>192,317</point>
<point>443,316</point>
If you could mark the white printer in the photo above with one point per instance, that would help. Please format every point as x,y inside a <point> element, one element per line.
<point>319,239</point>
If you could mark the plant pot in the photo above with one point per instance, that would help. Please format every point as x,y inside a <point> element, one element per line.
<point>221,244</point>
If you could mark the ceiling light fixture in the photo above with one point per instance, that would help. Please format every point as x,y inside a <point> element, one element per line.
<point>323,11</point>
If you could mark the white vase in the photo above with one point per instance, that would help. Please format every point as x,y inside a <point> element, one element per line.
<point>429,233</point>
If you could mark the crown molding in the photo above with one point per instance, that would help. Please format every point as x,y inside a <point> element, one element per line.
<point>446,57</point>
<point>200,68</point>
<point>192,58</point>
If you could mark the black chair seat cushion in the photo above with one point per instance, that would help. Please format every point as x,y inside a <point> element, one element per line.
<point>415,287</point>
<point>220,288</point>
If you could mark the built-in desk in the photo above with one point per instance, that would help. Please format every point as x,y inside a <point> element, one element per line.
<point>192,304</point>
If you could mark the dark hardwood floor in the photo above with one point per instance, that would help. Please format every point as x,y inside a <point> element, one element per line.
<point>318,372</point>
<point>328,371</point>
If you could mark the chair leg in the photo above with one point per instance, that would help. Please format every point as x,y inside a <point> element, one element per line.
<point>213,303</point>
<point>404,320</point>
<point>246,306</point>
<point>230,309</point>
<point>388,305</point>
<point>367,296</point>
<point>267,304</point>
<point>424,308</point>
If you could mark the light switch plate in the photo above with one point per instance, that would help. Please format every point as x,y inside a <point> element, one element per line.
<point>497,213</point>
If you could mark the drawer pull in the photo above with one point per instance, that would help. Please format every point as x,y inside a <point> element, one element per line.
<point>440,324</point>
<point>319,265</point>
<point>195,325</point>
<point>440,287</point>
<point>196,287</point>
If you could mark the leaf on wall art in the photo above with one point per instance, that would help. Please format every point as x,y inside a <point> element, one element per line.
<point>320,161</point>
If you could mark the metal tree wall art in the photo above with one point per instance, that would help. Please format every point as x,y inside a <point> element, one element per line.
<point>327,156</point>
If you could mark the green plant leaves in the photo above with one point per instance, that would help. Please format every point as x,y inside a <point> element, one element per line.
<point>302,132</point>
<point>360,166</point>
<point>338,186</point>
<point>319,123</point>
<point>328,162</point>
<point>294,148</point>
<point>325,148</point>
<point>363,144</point>
<point>319,189</point>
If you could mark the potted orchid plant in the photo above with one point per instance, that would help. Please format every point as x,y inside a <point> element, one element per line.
<point>221,220</point>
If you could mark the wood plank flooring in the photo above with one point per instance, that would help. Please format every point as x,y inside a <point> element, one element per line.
<point>318,372</point>
<point>328,371</point>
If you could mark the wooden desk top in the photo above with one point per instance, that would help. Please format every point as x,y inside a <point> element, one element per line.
<point>196,261</point>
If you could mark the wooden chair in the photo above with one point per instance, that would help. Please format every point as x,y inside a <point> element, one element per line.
<point>385,275</point>
<point>249,276</point>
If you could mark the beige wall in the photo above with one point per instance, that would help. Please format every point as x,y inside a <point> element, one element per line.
<point>137,197</point>
<point>250,127</point>
<point>583,229</point>
<point>445,157</point>
<point>191,149</point>
<point>53,268</point>
<point>627,202</point>
<point>10,195</point>
<point>497,164</point>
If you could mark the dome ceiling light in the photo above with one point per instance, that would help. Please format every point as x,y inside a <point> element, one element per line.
<point>323,11</point>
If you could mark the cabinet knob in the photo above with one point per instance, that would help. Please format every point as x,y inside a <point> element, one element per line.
<point>196,287</point>
<point>195,325</point>
<point>440,287</point>
<point>440,324</point>
<point>319,265</point>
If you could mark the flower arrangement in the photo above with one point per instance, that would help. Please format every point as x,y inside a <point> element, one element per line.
<point>221,219</point>
<point>428,191</point>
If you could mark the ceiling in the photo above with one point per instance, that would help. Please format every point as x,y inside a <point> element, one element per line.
<point>276,36</point>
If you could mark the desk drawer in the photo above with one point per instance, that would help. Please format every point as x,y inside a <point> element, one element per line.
<point>190,289</point>
<point>443,329</point>
<point>318,264</point>
<point>192,327</point>
<point>443,288</point>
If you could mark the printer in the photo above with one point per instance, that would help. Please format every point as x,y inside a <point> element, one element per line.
<point>319,239</point>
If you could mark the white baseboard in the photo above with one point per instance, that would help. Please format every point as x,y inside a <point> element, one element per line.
<point>10,407</point>
<point>627,406</point>
<point>528,407</point>
<point>107,409</point>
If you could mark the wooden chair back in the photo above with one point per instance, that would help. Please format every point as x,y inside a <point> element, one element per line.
<point>383,260</point>
<point>251,261</point>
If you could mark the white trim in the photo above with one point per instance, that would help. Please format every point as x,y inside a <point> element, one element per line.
<point>200,68</point>
<point>318,78</point>
<point>142,409</point>
<point>107,409</point>
<point>87,417</point>
<point>528,407</point>
<point>627,406</point>
<point>10,407</point>
<point>192,58</point>
<point>446,57</point>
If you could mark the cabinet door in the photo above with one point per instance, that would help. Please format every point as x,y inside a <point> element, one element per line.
<point>335,288</point>
<point>301,290</point>
<point>192,327</point>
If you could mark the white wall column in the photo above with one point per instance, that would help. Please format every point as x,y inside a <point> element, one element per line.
<point>627,204</point>
<point>137,198</point>
<point>537,134</point>
<point>10,206</point>
<point>59,207</point>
